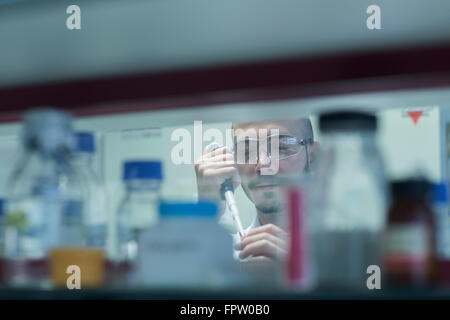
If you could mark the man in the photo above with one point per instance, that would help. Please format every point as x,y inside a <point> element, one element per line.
<point>296,147</point>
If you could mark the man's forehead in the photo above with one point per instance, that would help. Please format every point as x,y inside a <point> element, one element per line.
<point>242,129</point>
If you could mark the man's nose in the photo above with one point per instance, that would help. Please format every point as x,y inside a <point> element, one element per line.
<point>263,161</point>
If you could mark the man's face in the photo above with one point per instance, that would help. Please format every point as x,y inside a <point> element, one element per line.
<point>265,194</point>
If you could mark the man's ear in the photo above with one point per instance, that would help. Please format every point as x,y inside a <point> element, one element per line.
<point>312,151</point>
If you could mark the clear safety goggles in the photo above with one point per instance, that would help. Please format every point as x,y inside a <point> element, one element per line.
<point>247,151</point>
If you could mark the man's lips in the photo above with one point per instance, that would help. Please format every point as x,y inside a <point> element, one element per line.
<point>266,182</point>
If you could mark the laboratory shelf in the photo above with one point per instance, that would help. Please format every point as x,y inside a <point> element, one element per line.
<point>415,67</point>
<point>241,294</point>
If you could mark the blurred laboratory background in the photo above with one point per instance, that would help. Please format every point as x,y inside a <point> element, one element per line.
<point>90,119</point>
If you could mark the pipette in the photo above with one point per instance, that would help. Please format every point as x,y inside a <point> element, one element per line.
<point>226,189</point>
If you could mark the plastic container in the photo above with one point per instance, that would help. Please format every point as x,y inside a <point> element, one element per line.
<point>187,249</point>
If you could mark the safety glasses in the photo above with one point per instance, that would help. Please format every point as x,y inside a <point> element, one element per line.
<point>247,151</point>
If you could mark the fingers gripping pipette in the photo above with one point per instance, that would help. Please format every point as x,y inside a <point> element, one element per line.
<point>227,192</point>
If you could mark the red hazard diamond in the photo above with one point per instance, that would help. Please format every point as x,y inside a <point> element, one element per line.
<point>415,115</point>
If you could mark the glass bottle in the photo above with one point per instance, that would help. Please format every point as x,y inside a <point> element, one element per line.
<point>409,249</point>
<point>442,225</point>
<point>348,200</point>
<point>138,210</point>
<point>95,214</point>
<point>297,273</point>
<point>44,199</point>
<point>441,212</point>
<point>2,238</point>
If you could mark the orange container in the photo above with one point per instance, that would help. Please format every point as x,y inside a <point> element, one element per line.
<point>72,266</point>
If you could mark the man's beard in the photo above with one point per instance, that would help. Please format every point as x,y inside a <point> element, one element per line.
<point>279,181</point>
<point>272,204</point>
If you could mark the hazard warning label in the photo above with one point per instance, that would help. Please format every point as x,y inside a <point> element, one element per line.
<point>416,113</point>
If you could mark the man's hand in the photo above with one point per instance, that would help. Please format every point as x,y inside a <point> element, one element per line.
<point>212,169</point>
<point>268,241</point>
